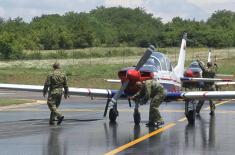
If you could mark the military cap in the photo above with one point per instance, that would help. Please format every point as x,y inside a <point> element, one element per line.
<point>56,65</point>
<point>209,64</point>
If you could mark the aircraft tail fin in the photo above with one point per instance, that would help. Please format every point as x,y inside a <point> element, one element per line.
<point>209,56</point>
<point>179,69</point>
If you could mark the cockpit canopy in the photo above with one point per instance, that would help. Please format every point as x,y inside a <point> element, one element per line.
<point>157,62</point>
<point>195,64</point>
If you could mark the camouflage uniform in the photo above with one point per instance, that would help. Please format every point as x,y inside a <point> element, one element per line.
<point>55,81</point>
<point>154,91</point>
<point>208,72</point>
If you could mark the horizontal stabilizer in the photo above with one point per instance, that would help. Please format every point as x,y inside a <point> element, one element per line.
<point>113,80</point>
<point>224,83</point>
<point>186,79</point>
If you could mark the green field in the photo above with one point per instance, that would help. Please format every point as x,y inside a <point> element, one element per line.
<point>91,72</point>
<point>122,52</point>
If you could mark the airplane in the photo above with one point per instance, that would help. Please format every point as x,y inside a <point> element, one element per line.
<point>152,65</point>
<point>193,75</point>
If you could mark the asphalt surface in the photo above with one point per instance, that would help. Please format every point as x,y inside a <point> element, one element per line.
<point>25,130</point>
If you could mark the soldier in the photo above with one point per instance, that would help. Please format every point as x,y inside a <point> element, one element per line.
<point>208,72</point>
<point>55,81</point>
<point>154,91</point>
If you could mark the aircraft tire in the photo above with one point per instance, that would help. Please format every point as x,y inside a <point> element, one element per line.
<point>137,117</point>
<point>113,115</point>
<point>191,116</point>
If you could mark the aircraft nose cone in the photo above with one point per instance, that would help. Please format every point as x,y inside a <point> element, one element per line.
<point>188,73</point>
<point>133,75</point>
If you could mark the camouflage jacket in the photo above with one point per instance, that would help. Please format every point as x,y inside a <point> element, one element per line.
<point>56,81</point>
<point>150,89</point>
<point>209,73</point>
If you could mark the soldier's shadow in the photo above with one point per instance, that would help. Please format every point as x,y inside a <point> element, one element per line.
<point>34,126</point>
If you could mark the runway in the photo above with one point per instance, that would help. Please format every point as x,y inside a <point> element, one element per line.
<point>25,130</point>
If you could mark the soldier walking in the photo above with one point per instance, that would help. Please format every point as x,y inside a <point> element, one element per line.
<point>154,91</point>
<point>55,82</point>
<point>208,72</point>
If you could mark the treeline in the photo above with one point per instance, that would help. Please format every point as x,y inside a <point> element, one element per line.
<point>108,27</point>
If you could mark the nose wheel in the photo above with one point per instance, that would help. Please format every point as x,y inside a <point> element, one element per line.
<point>137,117</point>
<point>136,114</point>
<point>190,111</point>
<point>113,115</point>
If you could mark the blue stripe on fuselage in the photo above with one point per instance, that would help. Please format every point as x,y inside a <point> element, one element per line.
<point>170,87</point>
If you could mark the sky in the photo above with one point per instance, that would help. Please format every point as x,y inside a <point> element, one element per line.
<point>165,9</point>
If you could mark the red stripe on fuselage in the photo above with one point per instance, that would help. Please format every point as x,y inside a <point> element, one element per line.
<point>204,94</point>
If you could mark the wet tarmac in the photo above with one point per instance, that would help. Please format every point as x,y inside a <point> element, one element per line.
<point>26,131</point>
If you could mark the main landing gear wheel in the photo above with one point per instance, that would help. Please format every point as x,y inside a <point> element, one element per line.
<point>190,111</point>
<point>113,115</point>
<point>137,117</point>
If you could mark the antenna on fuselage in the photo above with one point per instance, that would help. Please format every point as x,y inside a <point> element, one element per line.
<point>209,55</point>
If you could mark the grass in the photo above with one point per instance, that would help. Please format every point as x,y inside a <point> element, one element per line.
<point>7,102</point>
<point>78,76</point>
<point>107,52</point>
<point>94,52</point>
<point>91,72</point>
<point>227,66</point>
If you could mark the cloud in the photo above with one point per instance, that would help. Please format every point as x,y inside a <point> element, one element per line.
<point>167,9</point>
<point>124,3</point>
<point>2,12</point>
<point>30,8</point>
<point>210,6</point>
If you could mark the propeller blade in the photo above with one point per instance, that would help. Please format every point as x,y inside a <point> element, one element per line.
<point>145,57</point>
<point>118,94</point>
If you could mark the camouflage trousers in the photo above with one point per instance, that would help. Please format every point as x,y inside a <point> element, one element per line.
<point>154,114</point>
<point>53,103</point>
<point>201,102</point>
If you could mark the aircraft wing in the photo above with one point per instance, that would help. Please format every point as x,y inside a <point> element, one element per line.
<point>105,93</point>
<point>186,79</point>
<point>224,83</point>
<point>108,93</point>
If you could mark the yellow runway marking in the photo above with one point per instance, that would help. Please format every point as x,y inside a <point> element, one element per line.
<point>123,147</point>
<point>217,104</point>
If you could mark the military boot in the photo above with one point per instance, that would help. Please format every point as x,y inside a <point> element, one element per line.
<point>51,122</point>
<point>212,113</point>
<point>155,124</point>
<point>60,119</point>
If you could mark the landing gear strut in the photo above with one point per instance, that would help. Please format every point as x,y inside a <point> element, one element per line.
<point>136,114</point>
<point>190,111</point>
